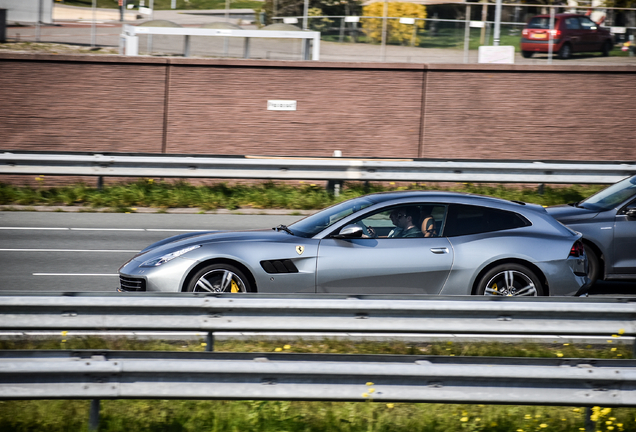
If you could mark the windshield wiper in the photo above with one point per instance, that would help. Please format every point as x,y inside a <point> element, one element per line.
<point>284,228</point>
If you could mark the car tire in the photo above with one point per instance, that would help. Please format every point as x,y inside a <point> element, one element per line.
<point>593,264</point>
<point>527,54</point>
<point>510,280</point>
<point>219,278</point>
<point>607,47</point>
<point>565,52</point>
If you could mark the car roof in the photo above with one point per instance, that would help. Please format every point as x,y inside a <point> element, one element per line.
<point>380,197</point>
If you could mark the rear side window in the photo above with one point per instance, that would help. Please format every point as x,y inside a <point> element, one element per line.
<point>539,23</point>
<point>466,220</point>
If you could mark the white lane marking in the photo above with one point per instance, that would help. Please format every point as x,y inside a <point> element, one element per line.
<point>70,250</point>
<point>107,229</point>
<point>75,274</point>
<point>104,229</point>
<point>28,228</point>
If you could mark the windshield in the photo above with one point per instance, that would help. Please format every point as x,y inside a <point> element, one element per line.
<point>312,225</point>
<point>539,23</point>
<point>611,197</point>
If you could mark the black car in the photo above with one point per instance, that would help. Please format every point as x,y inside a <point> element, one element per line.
<point>607,221</point>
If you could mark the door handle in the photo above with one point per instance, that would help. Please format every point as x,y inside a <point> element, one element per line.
<point>441,250</point>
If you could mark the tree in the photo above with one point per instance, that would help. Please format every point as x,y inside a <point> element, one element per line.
<point>396,32</point>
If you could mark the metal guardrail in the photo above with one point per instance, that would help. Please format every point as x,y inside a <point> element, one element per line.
<point>334,169</point>
<point>112,374</point>
<point>318,313</point>
<point>199,375</point>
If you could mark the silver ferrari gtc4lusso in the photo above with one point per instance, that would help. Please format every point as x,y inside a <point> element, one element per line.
<point>411,242</point>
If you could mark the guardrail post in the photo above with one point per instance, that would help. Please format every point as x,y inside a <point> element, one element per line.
<point>246,48</point>
<point>93,418</point>
<point>186,47</point>
<point>590,426</point>
<point>209,346</point>
<point>100,183</point>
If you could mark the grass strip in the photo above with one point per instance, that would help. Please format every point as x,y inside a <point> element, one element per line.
<point>126,197</point>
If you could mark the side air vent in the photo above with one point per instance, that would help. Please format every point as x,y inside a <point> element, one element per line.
<point>279,266</point>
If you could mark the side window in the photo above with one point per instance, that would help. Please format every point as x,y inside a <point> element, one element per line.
<point>466,220</point>
<point>587,24</point>
<point>405,221</point>
<point>572,24</point>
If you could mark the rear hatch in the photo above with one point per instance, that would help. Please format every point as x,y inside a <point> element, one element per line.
<point>538,29</point>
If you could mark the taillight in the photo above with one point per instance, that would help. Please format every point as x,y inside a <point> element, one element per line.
<point>525,32</point>
<point>555,33</point>
<point>577,249</point>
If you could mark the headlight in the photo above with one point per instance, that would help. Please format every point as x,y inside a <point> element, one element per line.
<point>168,257</point>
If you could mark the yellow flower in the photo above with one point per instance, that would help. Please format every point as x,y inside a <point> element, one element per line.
<point>559,354</point>
<point>477,419</point>
<point>203,344</point>
<point>519,430</point>
<point>278,349</point>
<point>566,344</point>
<point>615,335</point>
<point>365,394</point>
<point>606,411</point>
<point>613,349</point>
<point>608,422</point>
<point>371,390</point>
<point>543,425</point>
<point>463,419</point>
<point>390,406</point>
<point>287,346</point>
<point>369,384</point>
<point>527,416</point>
<point>621,331</point>
<point>64,333</point>
<point>577,410</point>
<point>610,428</point>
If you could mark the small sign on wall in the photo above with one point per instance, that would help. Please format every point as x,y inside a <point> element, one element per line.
<point>281,105</point>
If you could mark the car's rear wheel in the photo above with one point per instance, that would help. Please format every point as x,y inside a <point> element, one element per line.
<point>510,280</point>
<point>527,54</point>
<point>219,278</point>
<point>607,47</point>
<point>593,264</point>
<point>565,52</point>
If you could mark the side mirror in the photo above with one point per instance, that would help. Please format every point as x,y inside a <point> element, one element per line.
<point>350,231</point>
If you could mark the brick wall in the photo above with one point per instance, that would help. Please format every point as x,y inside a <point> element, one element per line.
<point>209,106</point>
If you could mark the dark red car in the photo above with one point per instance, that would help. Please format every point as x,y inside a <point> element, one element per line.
<point>572,33</point>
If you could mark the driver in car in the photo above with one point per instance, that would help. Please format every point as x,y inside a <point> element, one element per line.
<point>405,220</point>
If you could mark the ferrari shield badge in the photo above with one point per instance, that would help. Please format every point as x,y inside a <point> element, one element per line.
<point>300,249</point>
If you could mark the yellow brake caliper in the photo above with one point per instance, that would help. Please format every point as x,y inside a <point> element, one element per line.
<point>234,288</point>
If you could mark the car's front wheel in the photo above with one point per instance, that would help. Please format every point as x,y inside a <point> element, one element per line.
<point>593,264</point>
<point>219,278</point>
<point>607,47</point>
<point>527,54</point>
<point>510,280</point>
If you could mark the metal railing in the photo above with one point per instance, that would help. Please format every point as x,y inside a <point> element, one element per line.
<point>298,168</point>
<point>91,374</point>
<point>130,40</point>
<point>319,313</point>
<point>101,374</point>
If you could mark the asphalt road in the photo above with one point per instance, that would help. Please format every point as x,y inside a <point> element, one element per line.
<point>60,252</point>
<point>81,252</point>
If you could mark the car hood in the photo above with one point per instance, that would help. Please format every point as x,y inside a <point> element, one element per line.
<point>569,213</point>
<point>184,240</point>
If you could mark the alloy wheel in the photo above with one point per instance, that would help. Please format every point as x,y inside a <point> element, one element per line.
<point>510,283</point>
